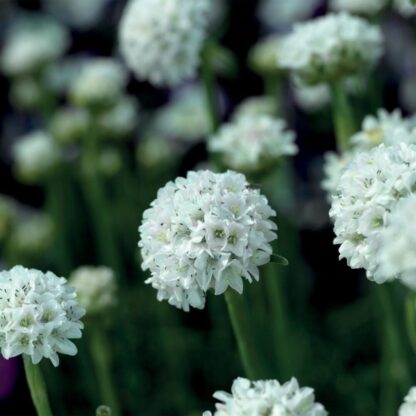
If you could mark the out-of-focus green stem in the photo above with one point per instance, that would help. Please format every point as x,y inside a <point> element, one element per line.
<point>37,387</point>
<point>240,321</point>
<point>411,319</point>
<point>344,120</point>
<point>273,88</point>
<point>101,356</point>
<point>208,78</point>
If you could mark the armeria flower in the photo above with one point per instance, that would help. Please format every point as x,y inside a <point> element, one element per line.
<point>331,48</point>
<point>368,191</point>
<point>398,239</point>
<point>39,314</point>
<point>36,155</point>
<point>256,106</point>
<point>253,143</point>
<point>408,408</point>
<point>99,84</point>
<point>32,43</point>
<point>368,7</point>
<point>205,231</point>
<point>388,128</point>
<point>406,8</point>
<point>96,288</point>
<point>267,397</point>
<point>281,13</point>
<point>161,40</point>
<point>185,117</point>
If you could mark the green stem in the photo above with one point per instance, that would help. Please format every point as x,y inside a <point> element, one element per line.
<point>102,361</point>
<point>208,78</point>
<point>273,88</point>
<point>411,319</point>
<point>37,387</point>
<point>249,351</point>
<point>344,121</point>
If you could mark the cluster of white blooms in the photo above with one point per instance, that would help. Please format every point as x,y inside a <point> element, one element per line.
<point>406,8</point>
<point>267,397</point>
<point>388,128</point>
<point>99,83</point>
<point>95,287</point>
<point>368,7</point>
<point>253,143</point>
<point>80,14</point>
<point>256,106</point>
<point>369,189</point>
<point>205,231</point>
<point>408,408</point>
<point>278,13</point>
<point>35,155</point>
<point>186,117</point>
<point>161,40</point>
<point>32,43</point>
<point>39,314</point>
<point>330,48</point>
<point>398,239</point>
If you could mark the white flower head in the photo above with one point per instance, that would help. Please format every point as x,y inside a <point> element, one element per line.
<point>206,231</point>
<point>96,288</point>
<point>282,13</point>
<point>32,43</point>
<point>367,7</point>
<point>397,256</point>
<point>334,166</point>
<point>161,40</point>
<point>253,143</point>
<point>185,117</point>
<point>99,84</point>
<point>407,8</point>
<point>256,106</point>
<point>408,408</point>
<point>39,315</point>
<point>35,154</point>
<point>330,48</point>
<point>267,397</point>
<point>368,191</point>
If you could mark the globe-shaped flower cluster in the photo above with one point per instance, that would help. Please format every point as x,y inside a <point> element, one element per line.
<point>267,397</point>
<point>408,408</point>
<point>253,143</point>
<point>39,314</point>
<point>330,48</point>
<point>368,191</point>
<point>205,231</point>
<point>161,40</point>
<point>95,287</point>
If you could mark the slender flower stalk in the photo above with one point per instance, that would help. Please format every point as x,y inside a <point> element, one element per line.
<point>37,387</point>
<point>411,319</point>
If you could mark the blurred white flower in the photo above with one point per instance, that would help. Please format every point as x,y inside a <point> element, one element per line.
<point>331,48</point>
<point>69,125</point>
<point>334,166</point>
<point>186,117</point>
<point>96,288</point>
<point>99,84</point>
<point>408,408</point>
<point>32,43</point>
<point>36,155</point>
<point>39,314</point>
<point>264,55</point>
<point>109,162</point>
<point>80,14</point>
<point>253,143</point>
<point>398,240</point>
<point>282,13</point>
<point>256,106</point>
<point>311,98</point>
<point>267,397</point>
<point>153,152</point>
<point>161,40</point>
<point>367,7</point>
<point>407,8</point>
<point>368,191</point>
<point>205,231</point>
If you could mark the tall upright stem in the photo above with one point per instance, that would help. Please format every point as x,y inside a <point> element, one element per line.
<point>37,387</point>
<point>344,122</point>
<point>208,78</point>
<point>249,351</point>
